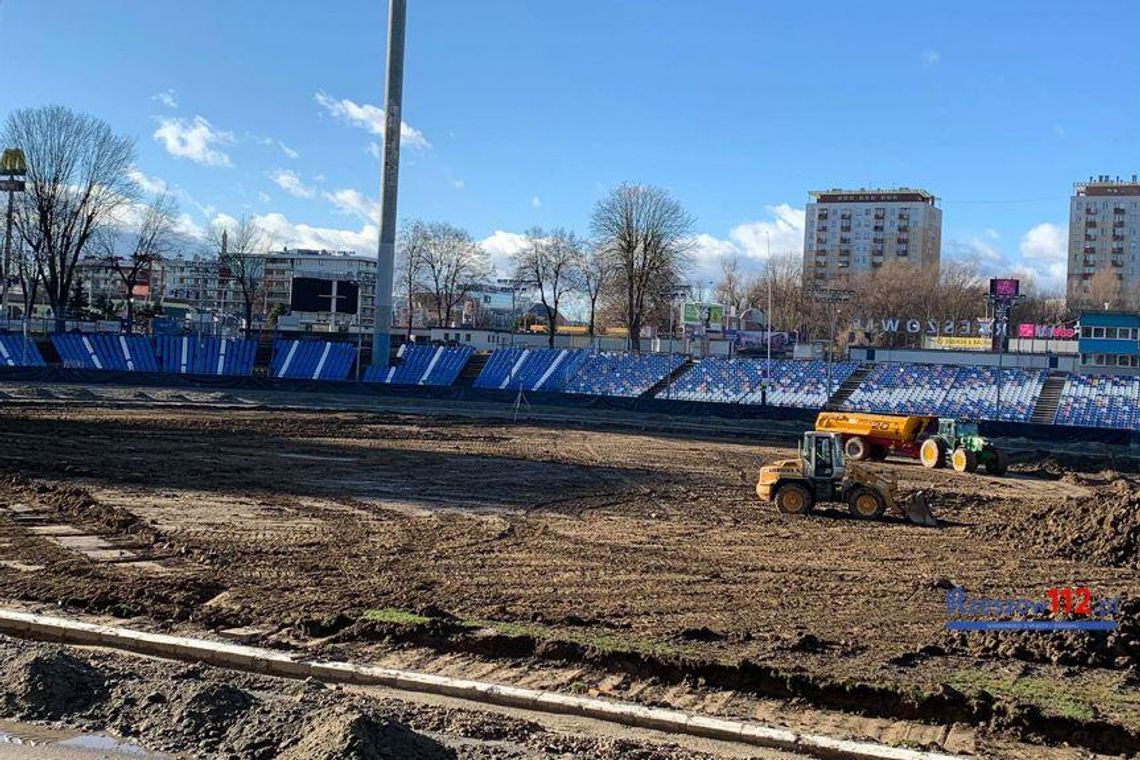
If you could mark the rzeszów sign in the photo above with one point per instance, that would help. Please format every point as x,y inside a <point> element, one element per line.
<point>979,327</point>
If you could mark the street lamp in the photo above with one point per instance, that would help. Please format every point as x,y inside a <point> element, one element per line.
<point>768,316</point>
<point>832,297</point>
<point>13,167</point>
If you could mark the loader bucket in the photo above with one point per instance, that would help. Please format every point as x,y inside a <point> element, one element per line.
<point>918,511</point>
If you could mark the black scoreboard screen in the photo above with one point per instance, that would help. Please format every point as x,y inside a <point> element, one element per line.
<point>312,294</point>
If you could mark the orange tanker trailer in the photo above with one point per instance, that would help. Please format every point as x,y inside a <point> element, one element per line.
<point>936,442</point>
<point>873,436</point>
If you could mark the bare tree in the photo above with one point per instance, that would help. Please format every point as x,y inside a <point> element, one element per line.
<point>595,275</point>
<point>792,306</point>
<point>141,242</point>
<point>647,236</point>
<point>452,265</point>
<point>77,182</point>
<point>410,262</point>
<point>1104,293</point>
<point>550,264</point>
<point>240,247</point>
<point>732,290</point>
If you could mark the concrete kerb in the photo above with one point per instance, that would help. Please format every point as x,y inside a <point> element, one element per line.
<point>256,660</point>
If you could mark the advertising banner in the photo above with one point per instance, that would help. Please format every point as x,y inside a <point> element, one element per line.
<point>708,314</point>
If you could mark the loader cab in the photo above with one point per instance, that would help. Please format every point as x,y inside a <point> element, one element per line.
<point>823,456</point>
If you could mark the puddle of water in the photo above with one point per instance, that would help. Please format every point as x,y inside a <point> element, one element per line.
<point>78,744</point>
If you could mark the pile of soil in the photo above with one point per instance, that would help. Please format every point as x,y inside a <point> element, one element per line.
<point>1101,529</point>
<point>76,504</point>
<point>1114,650</point>
<point>48,684</point>
<point>200,711</point>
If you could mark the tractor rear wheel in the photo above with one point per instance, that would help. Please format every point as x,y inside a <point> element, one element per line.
<point>856,449</point>
<point>866,504</point>
<point>794,499</point>
<point>998,463</point>
<point>933,453</point>
<point>964,460</point>
<point>879,452</point>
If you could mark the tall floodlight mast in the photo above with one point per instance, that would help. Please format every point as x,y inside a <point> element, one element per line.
<point>389,181</point>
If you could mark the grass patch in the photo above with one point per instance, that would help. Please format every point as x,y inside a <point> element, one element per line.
<point>604,643</point>
<point>1066,700</point>
<point>395,616</point>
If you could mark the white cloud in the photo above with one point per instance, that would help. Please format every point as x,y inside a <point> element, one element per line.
<point>152,185</point>
<point>194,139</point>
<point>785,230</point>
<point>1045,242</point>
<point>275,143</point>
<point>373,149</point>
<point>166,97</point>
<point>291,182</point>
<point>993,234</point>
<point>263,197</point>
<point>501,246</point>
<point>349,201</point>
<point>1059,130</point>
<point>974,248</point>
<point>536,202</point>
<point>370,117</point>
<point>1045,249</point>
<point>931,57</point>
<point>458,184</point>
<point>281,231</point>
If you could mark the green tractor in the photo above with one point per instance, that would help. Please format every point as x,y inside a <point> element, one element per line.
<point>959,443</point>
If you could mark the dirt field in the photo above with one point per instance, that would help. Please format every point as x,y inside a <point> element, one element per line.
<point>638,566</point>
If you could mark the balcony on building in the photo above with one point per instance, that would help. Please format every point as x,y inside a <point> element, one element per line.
<point>1090,224</point>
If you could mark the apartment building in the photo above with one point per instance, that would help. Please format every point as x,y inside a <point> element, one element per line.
<point>1104,215</point>
<point>850,232</point>
<point>282,267</point>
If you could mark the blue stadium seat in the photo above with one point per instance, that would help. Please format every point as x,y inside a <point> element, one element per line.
<point>801,384</point>
<point>205,355</point>
<point>1105,401</point>
<point>18,351</point>
<point>947,391</point>
<point>987,393</point>
<point>121,353</point>
<point>531,369</point>
<point>312,359</point>
<point>902,389</point>
<point>622,374</point>
<point>422,365</point>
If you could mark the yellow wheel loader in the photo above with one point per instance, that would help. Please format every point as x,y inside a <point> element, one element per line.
<point>820,474</point>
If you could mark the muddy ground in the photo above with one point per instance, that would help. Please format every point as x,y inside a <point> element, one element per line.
<point>183,710</point>
<point>633,565</point>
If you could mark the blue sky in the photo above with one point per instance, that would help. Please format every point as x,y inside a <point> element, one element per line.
<point>525,112</point>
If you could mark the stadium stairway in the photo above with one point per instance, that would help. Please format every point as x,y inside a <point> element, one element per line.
<point>472,369</point>
<point>848,387</point>
<point>1046,409</point>
<point>666,381</point>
